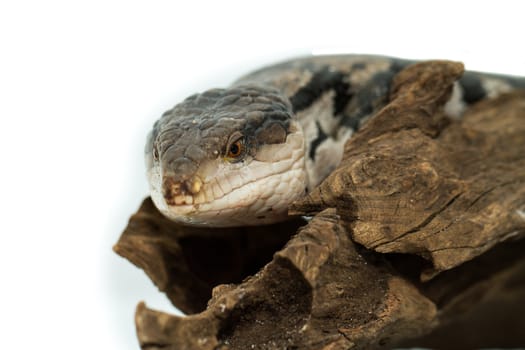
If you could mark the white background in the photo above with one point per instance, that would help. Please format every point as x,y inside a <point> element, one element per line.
<point>81,82</point>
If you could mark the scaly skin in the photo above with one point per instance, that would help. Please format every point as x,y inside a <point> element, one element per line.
<point>240,156</point>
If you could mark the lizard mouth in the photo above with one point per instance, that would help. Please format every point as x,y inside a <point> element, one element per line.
<point>261,199</point>
<point>180,192</point>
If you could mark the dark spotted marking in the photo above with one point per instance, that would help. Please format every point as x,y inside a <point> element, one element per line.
<point>359,66</point>
<point>397,65</point>
<point>322,81</point>
<point>370,97</point>
<point>342,97</point>
<point>353,122</point>
<point>321,137</point>
<point>367,99</point>
<point>473,91</point>
<point>515,82</point>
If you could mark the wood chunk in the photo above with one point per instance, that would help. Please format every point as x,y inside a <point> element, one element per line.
<point>319,292</point>
<point>187,262</point>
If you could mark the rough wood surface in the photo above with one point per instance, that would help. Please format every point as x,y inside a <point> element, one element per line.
<point>417,235</point>
<point>187,262</point>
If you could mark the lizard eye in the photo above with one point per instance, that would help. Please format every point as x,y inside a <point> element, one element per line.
<point>236,149</point>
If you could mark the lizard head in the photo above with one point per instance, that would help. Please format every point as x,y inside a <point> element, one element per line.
<point>227,157</point>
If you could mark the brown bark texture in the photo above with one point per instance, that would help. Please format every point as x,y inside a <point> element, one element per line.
<point>416,239</point>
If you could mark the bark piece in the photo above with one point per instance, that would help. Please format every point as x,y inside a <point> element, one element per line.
<point>481,302</point>
<point>187,262</point>
<point>319,292</point>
